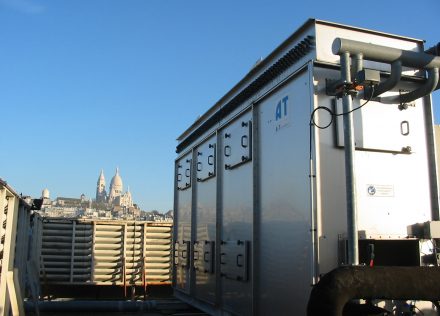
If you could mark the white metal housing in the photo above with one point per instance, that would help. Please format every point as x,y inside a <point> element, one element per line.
<point>260,205</point>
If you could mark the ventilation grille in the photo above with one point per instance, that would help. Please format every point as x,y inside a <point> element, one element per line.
<point>290,58</point>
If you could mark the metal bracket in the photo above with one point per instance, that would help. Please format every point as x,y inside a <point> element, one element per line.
<point>181,254</point>
<point>238,147</point>
<point>234,259</point>
<point>206,162</point>
<point>204,256</point>
<point>184,175</point>
<point>340,88</point>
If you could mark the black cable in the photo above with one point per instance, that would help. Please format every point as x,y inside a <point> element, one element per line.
<point>312,117</point>
<point>333,115</point>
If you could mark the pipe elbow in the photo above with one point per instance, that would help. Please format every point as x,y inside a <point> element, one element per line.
<point>431,84</point>
<point>392,81</point>
<point>343,284</point>
<point>330,295</point>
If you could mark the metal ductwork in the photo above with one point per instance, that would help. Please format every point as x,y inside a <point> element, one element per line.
<point>429,86</point>
<point>428,60</point>
<point>338,287</point>
<point>434,50</point>
<point>385,54</point>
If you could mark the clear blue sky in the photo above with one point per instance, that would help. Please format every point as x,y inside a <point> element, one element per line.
<point>91,84</point>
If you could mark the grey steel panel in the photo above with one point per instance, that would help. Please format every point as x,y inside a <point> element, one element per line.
<point>393,189</point>
<point>382,127</point>
<point>184,223</point>
<point>285,228</point>
<point>237,220</point>
<point>330,183</point>
<point>206,160</point>
<point>205,220</point>
<point>237,148</point>
<point>204,254</point>
<point>234,260</point>
<point>432,157</point>
<point>184,168</point>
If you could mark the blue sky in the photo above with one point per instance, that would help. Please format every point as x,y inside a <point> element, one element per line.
<point>87,85</point>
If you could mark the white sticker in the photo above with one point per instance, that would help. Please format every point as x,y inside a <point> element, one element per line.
<point>380,190</point>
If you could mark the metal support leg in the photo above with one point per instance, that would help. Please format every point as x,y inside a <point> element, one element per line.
<point>350,180</point>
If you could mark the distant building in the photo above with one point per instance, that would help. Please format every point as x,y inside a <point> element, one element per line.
<point>67,202</point>
<point>115,204</point>
<point>45,195</point>
<point>61,211</point>
<point>116,197</point>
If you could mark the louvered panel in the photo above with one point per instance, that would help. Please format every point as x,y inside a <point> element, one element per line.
<point>105,252</point>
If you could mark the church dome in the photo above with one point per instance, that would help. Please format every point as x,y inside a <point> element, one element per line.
<point>116,181</point>
<point>45,194</point>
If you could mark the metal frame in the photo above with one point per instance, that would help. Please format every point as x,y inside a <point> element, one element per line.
<point>14,219</point>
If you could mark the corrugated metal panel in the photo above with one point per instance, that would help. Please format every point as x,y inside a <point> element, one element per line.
<point>122,253</point>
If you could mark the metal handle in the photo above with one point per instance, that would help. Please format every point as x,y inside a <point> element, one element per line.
<point>211,160</point>
<point>404,128</point>
<point>207,253</point>
<point>227,150</point>
<point>244,141</point>
<point>239,260</point>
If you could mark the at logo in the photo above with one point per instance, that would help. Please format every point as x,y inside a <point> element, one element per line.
<point>281,109</point>
<point>282,118</point>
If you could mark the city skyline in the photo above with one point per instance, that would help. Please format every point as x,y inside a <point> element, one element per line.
<point>93,85</point>
<point>113,194</point>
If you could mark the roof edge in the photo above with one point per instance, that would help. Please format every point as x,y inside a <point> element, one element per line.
<point>250,73</point>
